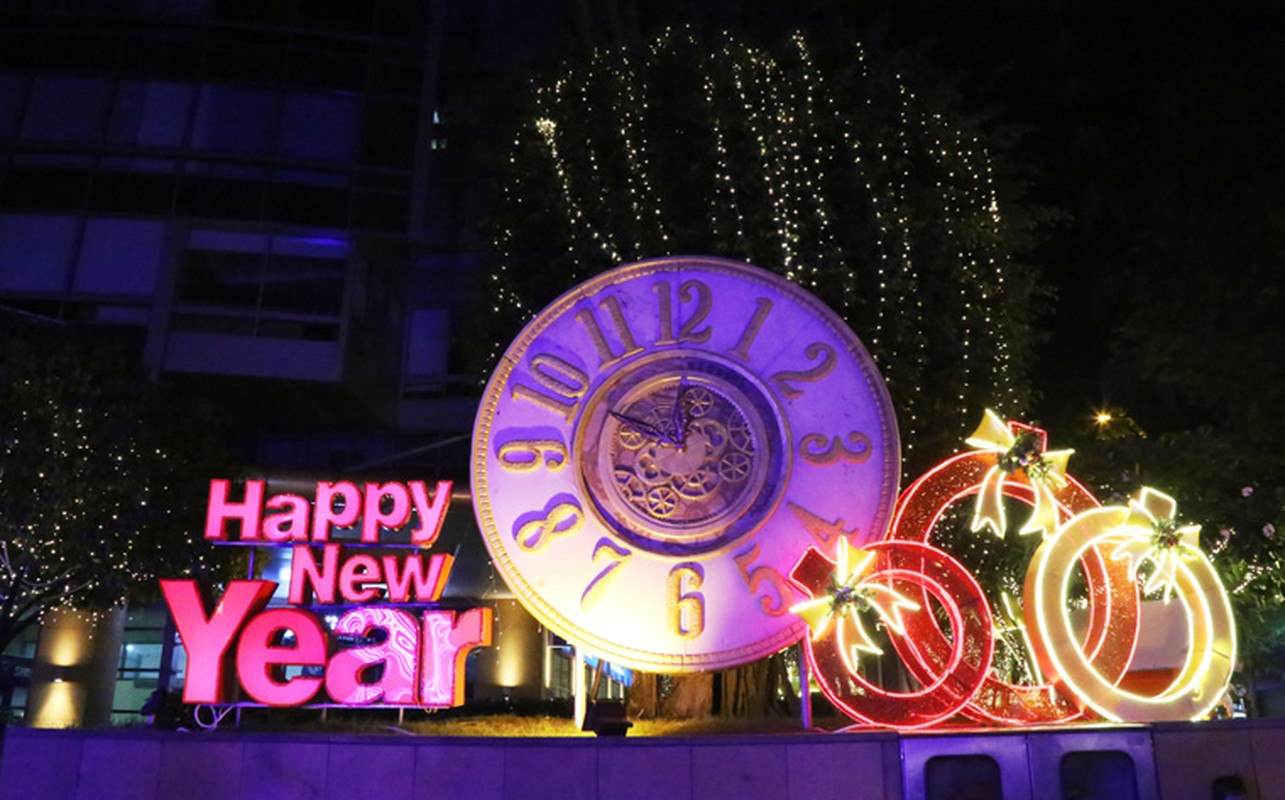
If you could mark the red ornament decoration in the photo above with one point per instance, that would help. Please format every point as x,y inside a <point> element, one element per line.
<point>876,583</point>
<point>1013,461</point>
<point>907,595</point>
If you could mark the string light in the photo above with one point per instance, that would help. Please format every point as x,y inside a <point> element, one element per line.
<point>92,511</point>
<point>851,182</point>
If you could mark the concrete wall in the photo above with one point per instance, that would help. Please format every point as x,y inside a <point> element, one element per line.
<point>151,765</point>
<point>1192,758</point>
<point>145,765</point>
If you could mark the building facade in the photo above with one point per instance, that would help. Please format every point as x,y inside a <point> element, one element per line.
<point>261,198</point>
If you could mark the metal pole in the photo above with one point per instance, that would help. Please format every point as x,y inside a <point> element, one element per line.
<point>578,687</point>
<point>805,690</point>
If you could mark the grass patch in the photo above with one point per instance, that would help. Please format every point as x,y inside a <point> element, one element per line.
<point>520,726</point>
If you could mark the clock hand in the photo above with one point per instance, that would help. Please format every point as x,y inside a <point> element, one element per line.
<point>679,418</point>
<point>646,429</point>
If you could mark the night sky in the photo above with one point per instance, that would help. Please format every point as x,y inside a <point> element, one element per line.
<point>1154,130</point>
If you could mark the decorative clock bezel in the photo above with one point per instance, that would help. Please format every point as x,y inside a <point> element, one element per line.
<point>693,581</point>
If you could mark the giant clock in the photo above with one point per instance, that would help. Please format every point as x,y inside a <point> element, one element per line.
<point>660,445</point>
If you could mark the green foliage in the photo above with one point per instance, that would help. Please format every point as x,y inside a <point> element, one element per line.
<point>101,478</point>
<point>817,162</point>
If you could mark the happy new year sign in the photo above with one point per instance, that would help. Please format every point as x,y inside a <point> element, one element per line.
<point>378,653</point>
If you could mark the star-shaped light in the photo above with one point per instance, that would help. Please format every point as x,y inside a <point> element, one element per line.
<point>850,592</point>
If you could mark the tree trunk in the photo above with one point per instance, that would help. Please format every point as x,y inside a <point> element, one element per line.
<point>671,696</point>
<point>644,696</point>
<point>761,689</point>
<point>692,697</point>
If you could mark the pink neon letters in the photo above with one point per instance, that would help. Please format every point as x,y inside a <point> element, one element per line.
<point>423,660</point>
<point>285,517</point>
<point>284,656</point>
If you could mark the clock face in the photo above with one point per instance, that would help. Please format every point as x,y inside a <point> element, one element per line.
<point>658,448</point>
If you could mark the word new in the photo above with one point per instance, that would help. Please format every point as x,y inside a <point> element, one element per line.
<point>287,518</point>
<point>362,578</point>
<point>422,658</point>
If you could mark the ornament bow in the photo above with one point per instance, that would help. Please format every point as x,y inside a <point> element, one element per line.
<point>851,591</point>
<point>1150,532</point>
<point>1018,448</point>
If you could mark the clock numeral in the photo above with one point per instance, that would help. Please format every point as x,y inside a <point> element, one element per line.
<point>685,607</point>
<point>564,383</point>
<point>690,330</point>
<point>822,450</point>
<point>560,519</point>
<point>606,356</point>
<point>616,557</point>
<point>762,307</point>
<point>785,379</point>
<point>824,531</point>
<point>773,604</point>
<point>528,455</point>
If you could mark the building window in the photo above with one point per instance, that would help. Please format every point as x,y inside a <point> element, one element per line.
<point>318,127</point>
<point>233,119</point>
<point>36,252</point>
<point>143,652</point>
<point>110,256</point>
<point>120,257</point>
<point>428,343</point>
<point>150,113</point>
<point>248,280</point>
<point>13,93</point>
<point>66,109</point>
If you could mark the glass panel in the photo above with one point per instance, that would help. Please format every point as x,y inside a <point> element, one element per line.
<point>164,114</point>
<point>331,247</point>
<point>43,188</point>
<point>319,206</point>
<point>66,109</point>
<point>36,251</point>
<point>132,192</point>
<point>127,107</point>
<point>120,256</point>
<point>305,285</point>
<point>13,90</point>
<point>306,275</point>
<point>956,777</point>
<point>318,127</point>
<point>235,120</point>
<point>428,343</point>
<point>235,241</point>
<point>222,278</point>
<point>390,131</point>
<point>150,113</point>
<point>1098,775</point>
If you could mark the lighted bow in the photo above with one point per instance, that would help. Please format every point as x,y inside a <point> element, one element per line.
<point>1018,448</point>
<point>1150,532</point>
<point>849,594</point>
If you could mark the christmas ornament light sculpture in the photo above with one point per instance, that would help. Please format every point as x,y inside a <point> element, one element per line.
<point>937,619</point>
<point>1143,532</point>
<point>1012,460</point>
<point>877,581</point>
